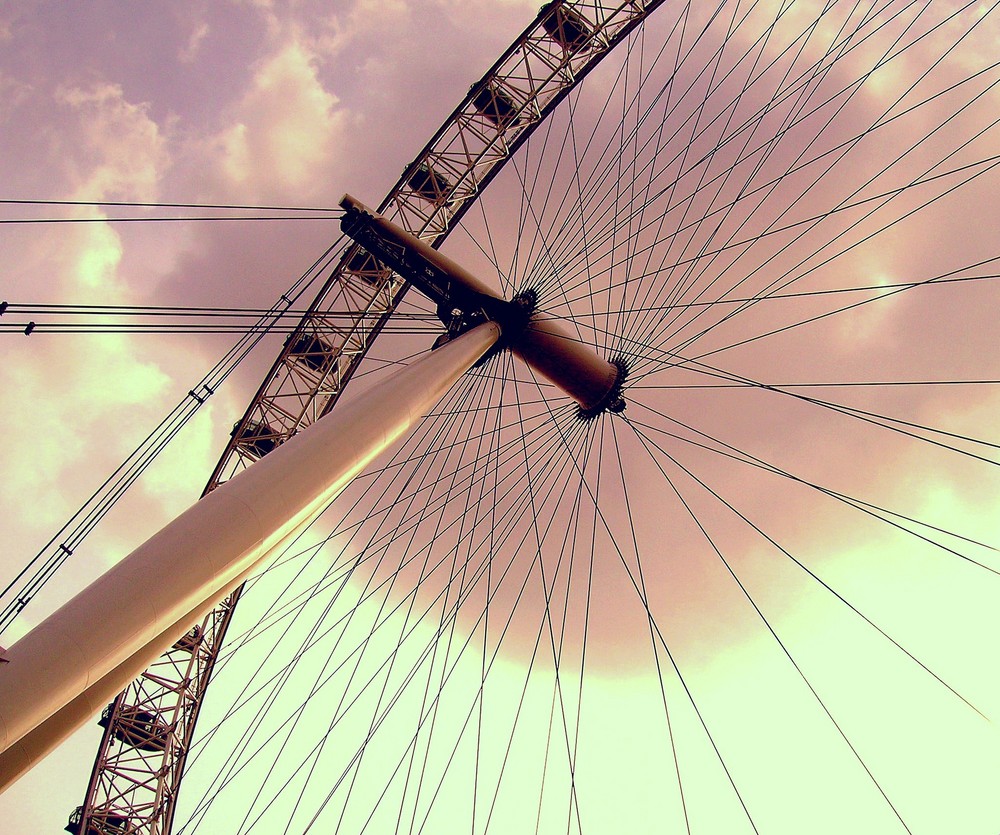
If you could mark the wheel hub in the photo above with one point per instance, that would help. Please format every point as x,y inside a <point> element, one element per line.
<point>463,301</point>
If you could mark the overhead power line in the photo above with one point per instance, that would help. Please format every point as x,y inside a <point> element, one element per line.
<point>83,318</point>
<point>286,212</point>
<point>122,203</point>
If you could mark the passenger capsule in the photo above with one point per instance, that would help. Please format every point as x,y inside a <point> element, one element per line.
<point>106,825</point>
<point>137,728</point>
<point>497,106</point>
<point>566,27</point>
<point>259,438</point>
<point>365,266</point>
<point>312,352</point>
<point>431,186</point>
<point>190,641</point>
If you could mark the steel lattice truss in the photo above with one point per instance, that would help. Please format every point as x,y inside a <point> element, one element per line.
<point>149,726</point>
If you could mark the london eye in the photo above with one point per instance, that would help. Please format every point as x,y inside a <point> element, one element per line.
<point>749,585</point>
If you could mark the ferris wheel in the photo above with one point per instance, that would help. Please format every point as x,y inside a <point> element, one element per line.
<point>747,587</point>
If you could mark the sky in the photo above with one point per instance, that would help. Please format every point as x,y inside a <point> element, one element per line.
<point>295,103</point>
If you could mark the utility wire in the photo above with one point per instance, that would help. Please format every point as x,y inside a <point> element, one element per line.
<point>182,218</point>
<point>300,212</point>
<point>179,310</point>
<point>97,319</point>
<point>19,592</point>
<point>132,204</point>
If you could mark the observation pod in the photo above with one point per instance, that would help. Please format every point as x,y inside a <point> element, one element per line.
<point>140,729</point>
<point>565,26</point>
<point>494,104</point>
<point>463,301</point>
<point>108,824</point>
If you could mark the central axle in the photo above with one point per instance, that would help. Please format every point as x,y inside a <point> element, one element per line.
<point>463,301</point>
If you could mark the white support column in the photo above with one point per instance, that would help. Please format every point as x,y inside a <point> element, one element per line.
<point>105,636</point>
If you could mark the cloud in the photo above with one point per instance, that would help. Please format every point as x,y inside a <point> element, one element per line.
<point>110,149</point>
<point>112,388</point>
<point>117,150</point>
<point>284,129</point>
<point>106,391</point>
<point>316,98</point>
<point>191,49</point>
<point>13,93</point>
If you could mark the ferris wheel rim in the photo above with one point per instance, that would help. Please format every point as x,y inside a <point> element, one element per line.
<point>640,383</point>
<point>569,63</point>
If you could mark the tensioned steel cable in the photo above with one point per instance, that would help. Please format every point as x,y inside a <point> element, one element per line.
<point>494,656</point>
<point>26,584</point>
<point>664,360</point>
<point>474,395</point>
<point>769,626</point>
<point>781,284</point>
<point>14,221</point>
<point>149,205</point>
<point>513,519</point>
<point>177,310</point>
<point>652,635</point>
<point>769,184</point>
<point>608,168</point>
<point>426,650</point>
<point>661,638</point>
<point>643,429</point>
<point>884,514</point>
<point>689,277</point>
<point>725,174</point>
<point>471,512</point>
<point>222,778</point>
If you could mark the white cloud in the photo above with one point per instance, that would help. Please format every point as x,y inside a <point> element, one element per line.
<point>193,45</point>
<point>115,148</point>
<point>285,128</point>
<point>77,405</point>
<point>13,92</point>
<point>103,387</point>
